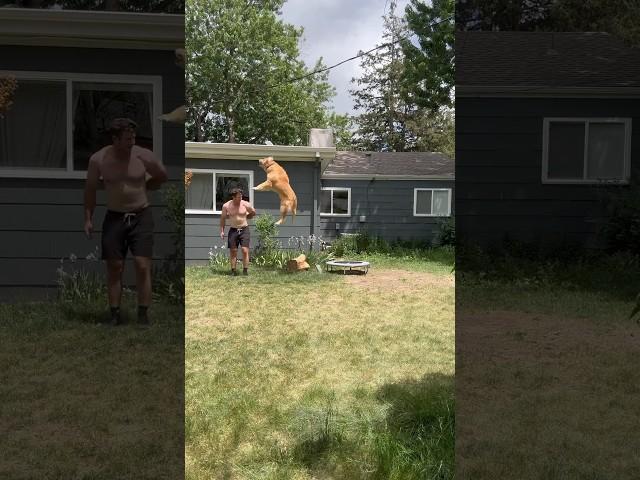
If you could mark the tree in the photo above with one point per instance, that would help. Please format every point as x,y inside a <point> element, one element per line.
<point>496,15</point>
<point>618,18</point>
<point>429,66</point>
<point>435,131</point>
<point>379,94</point>
<point>342,126</point>
<point>243,75</point>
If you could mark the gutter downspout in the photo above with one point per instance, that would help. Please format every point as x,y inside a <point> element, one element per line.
<point>315,215</point>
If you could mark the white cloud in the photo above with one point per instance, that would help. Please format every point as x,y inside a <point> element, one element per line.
<point>336,30</point>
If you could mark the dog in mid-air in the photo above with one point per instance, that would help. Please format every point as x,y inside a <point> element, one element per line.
<point>278,181</point>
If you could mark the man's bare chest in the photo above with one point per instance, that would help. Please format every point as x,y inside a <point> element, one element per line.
<point>118,171</point>
<point>235,211</point>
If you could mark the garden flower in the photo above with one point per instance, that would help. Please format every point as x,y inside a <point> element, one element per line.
<point>73,257</point>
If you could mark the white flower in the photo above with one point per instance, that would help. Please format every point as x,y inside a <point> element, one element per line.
<point>73,257</point>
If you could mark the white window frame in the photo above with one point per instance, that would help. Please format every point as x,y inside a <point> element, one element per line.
<point>69,78</point>
<point>587,120</point>
<point>213,173</point>
<point>332,189</point>
<point>415,201</point>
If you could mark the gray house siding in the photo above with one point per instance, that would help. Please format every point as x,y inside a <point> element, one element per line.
<point>388,207</point>
<point>41,220</point>
<point>202,231</point>
<point>499,169</point>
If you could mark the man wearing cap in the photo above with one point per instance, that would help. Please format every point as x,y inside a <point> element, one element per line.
<point>125,169</point>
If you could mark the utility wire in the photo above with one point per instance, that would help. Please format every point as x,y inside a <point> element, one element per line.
<point>362,54</point>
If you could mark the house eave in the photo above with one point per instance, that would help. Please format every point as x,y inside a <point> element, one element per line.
<point>338,176</point>
<point>536,91</point>
<point>237,151</point>
<point>91,29</point>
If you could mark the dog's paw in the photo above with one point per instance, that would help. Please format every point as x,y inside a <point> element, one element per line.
<point>279,222</point>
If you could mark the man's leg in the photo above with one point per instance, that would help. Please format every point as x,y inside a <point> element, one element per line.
<point>245,259</point>
<point>143,285</point>
<point>140,239</point>
<point>115,268</point>
<point>233,253</point>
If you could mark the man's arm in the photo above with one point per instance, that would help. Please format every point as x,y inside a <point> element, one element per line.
<point>154,168</point>
<point>223,216</point>
<point>90,187</point>
<point>251,212</point>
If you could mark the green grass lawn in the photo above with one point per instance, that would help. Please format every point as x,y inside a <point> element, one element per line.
<point>81,400</point>
<point>547,375</point>
<point>310,375</point>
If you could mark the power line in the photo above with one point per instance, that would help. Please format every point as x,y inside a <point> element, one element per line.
<point>354,57</point>
<point>362,54</point>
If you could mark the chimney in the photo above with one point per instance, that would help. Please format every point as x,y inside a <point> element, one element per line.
<point>321,137</point>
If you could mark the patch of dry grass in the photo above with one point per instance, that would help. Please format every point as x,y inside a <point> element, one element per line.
<point>90,401</point>
<point>318,376</point>
<point>547,384</point>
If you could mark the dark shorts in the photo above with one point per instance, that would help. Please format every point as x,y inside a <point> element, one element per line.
<point>239,236</point>
<point>127,231</point>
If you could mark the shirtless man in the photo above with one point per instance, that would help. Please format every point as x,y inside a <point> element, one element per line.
<point>128,223</point>
<point>238,211</point>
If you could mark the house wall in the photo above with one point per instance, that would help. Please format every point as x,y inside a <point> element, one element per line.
<point>499,169</point>
<point>388,206</point>
<point>202,231</point>
<point>41,220</point>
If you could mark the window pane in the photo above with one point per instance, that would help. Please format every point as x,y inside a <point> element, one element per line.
<point>605,158</point>
<point>325,201</point>
<point>95,105</point>
<point>199,195</point>
<point>423,202</point>
<point>225,183</point>
<point>340,201</point>
<point>566,150</point>
<point>440,202</point>
<point>33,132</point>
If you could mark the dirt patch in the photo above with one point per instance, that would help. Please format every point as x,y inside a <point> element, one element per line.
<point>532,385</point>
<point>399,280</point>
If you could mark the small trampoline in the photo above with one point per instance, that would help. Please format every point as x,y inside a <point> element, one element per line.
<point>351,266</point>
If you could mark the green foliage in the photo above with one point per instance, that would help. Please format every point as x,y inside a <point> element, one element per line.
<point>80,286</point>
<point>622,231</point>
<point>435,131</point>
<point>168,280</point>
<point>429,67</point>
<point>241,61</point>
<point>218,258</point>
<point>405,92</point>
<point>343,129</point>
<point>266,228</point>
<point>618,18</point>
<point>446,231</point>
<point>379,95</point>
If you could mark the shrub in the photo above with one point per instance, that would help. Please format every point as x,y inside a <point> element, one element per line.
<point>266,228</point>
<point>446,234</point>
<point>168,279</point>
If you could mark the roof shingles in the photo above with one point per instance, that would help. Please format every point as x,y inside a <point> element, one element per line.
<point>555,59</point>
<point>392,164</point>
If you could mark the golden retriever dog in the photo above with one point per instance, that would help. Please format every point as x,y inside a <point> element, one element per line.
<point>278,181</point>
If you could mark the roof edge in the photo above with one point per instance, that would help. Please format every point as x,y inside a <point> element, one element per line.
<point>545,91</point>
<point>91,29</point>
<point>364,176</point>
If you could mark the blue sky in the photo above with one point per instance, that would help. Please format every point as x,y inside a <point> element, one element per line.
<point>336,30</point>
